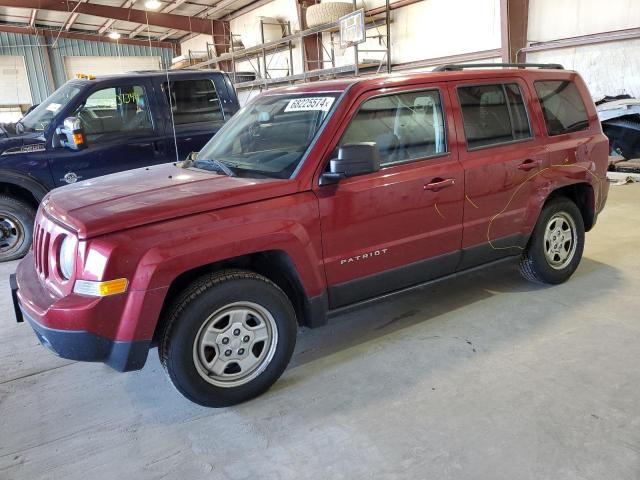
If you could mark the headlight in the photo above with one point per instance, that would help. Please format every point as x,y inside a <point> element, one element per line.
<point>67,257</point>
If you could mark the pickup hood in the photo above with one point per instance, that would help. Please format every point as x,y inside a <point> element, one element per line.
<point>21,143</point>
<point>137,197</point>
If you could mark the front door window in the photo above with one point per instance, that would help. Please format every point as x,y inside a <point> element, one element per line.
<point>111,110</point>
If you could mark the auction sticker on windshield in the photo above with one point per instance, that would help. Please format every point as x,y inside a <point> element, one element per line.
<point>322,104</point>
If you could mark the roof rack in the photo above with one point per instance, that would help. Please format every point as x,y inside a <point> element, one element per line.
<point>455,67</point>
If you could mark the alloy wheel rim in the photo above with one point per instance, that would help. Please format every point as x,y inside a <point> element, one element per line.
<point>235,344</point>
<point>560,240</point>
<point>11,233</point>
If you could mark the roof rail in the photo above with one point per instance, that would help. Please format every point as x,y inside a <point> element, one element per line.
<point>455,67</point>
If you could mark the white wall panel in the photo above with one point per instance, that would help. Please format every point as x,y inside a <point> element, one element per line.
<point>196,44</point>
<point>248,26</point>
<point>92,65</point>
<point>435,28</point>
<point>554,19</point>
<point>13,79</point>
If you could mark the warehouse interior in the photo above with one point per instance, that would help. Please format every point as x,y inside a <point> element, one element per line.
<point>480,375</point>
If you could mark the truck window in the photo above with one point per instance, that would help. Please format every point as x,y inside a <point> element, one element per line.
<point>404,126</point>
<point>562,106</point>
<point>40,117</point>
<point>194,101</point>
<point>115,109</point>
<point>493,114</point>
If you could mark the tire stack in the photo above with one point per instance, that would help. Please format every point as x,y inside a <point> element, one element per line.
<point>329,12</point>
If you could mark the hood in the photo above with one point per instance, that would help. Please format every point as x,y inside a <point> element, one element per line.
<point>137,197</point>
<point>24,143</point>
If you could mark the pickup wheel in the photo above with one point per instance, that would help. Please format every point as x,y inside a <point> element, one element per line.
<point>16,228</point>
<point>228,338</point>
<point>555,247</point>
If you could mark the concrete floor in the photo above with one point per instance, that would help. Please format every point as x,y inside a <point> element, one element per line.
<point>482,377</point>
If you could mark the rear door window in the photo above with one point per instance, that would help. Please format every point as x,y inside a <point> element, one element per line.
<point>493,114</point>
<point>405,126</point>
<point>194,101</point>
<point>562,105</point>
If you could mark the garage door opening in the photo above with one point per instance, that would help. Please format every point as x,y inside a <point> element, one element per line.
<point>108,65</point>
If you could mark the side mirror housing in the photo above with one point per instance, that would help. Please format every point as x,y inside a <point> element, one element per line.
<point>71,134</point>
<point>353,159</point>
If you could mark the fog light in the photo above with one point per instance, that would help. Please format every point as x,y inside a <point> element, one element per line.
<point>100,289</point>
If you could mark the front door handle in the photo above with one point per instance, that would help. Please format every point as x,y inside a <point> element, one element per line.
<point>528,165</point>
<point>439,183</point>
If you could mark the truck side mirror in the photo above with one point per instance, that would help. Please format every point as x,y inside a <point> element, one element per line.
<point>353,159</point>
<point>71,134</point>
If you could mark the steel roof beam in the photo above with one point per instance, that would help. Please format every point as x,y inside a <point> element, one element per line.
<point>158,19</point>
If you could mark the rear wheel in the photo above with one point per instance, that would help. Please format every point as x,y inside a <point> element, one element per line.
<point>16,228</point>
<point>556,244</point>
<point>228,338</point>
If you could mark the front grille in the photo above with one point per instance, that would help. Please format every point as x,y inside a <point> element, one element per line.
<point>41,245</point>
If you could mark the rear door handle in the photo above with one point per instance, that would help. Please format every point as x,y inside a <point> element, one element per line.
<point>439,183</point>
<point>528,165</point>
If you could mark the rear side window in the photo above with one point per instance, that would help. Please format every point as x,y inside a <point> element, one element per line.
<point>493,114</point>
<point>562,106</point>
<point>194,101</point>
<point>405,127</point>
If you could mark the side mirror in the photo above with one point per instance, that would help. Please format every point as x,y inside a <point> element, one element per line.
<point>353,159</point>
<point>71,134</point>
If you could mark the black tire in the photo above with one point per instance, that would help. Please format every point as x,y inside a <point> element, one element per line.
<point>534,264</point>
<point>16,228</point>
<point>190,313</point>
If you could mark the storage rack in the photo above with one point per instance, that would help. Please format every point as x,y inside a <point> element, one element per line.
<point>256,55</point>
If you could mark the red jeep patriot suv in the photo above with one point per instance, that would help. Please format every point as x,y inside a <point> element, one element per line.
<point>311,198</point>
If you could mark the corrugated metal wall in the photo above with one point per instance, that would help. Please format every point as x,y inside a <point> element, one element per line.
<point>38,54</point>
<point>28,47</point>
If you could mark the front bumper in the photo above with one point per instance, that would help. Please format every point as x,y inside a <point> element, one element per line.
<point>89,347</point>
<point>116,330</point>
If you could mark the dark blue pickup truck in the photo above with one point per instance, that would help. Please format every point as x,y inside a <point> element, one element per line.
<point>96,126</point>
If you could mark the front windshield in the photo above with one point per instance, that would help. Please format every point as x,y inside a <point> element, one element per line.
<point>269,136</point>
<point>40,117</point>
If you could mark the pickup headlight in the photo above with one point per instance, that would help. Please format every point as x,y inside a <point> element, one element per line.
<point>67,257</point>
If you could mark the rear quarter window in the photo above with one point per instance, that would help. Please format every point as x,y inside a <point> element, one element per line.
<point>562,106</point>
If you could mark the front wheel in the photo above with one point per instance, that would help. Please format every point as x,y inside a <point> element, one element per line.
<point>556,244</point>
<point>16,228</point>
<point>228,338</point>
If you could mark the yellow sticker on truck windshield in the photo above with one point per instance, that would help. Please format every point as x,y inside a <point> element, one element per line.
<point>322,104</point>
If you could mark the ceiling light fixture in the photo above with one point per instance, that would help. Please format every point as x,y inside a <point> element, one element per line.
<point>114,35</point>
<point>152,4</point>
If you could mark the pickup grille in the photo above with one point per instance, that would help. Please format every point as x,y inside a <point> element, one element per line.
<point>41,246</point>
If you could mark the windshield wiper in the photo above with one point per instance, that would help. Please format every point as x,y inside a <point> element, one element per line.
<point>216,165</point>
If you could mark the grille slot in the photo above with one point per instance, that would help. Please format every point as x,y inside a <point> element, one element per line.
<point>41,243</point>
<point>36,246</point>
<point>45,254</point>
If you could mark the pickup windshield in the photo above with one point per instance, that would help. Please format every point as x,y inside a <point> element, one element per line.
<point>40,117</point>
<point>269,136</point>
